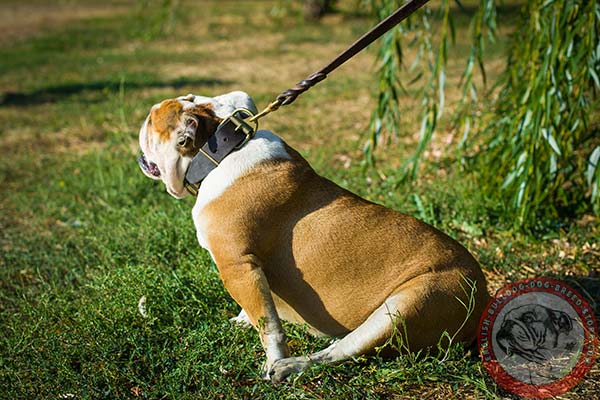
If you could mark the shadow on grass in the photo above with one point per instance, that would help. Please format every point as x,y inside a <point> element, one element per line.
<point>52,94</point>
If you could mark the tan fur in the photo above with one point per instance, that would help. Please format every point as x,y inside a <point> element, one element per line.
<point>334,257</point>
<point>165,119</point>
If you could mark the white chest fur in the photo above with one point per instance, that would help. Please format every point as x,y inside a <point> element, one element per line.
<point>264,146</point>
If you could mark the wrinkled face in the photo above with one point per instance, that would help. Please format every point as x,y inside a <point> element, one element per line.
<point>176,128</point>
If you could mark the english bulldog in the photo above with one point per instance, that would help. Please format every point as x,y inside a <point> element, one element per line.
<point>290,244</point>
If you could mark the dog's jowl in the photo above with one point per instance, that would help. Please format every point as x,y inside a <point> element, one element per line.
<point>290,244</point>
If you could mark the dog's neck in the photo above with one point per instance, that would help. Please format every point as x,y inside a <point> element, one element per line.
<point>264,146</point>
<point>231,134</point>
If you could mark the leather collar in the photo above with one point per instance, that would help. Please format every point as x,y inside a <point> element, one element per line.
<point>231,134</point>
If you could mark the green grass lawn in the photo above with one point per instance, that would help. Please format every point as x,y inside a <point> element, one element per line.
<point>84,236</point>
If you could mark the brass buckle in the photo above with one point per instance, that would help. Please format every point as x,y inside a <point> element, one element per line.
<point>191,188</point>
<point>242,119</point>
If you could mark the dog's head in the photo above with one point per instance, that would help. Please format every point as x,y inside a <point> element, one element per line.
<point>176,128</point>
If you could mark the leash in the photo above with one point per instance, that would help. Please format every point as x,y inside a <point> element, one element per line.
<point>235,130</point>
<point>288,96</point>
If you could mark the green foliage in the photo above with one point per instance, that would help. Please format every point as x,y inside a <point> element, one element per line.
<point>542,146</point>
<point>428,65</point>
<point>536,150</point>
<point>482,29</point>
<point>390,57</point>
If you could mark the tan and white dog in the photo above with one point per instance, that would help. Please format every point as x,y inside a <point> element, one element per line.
<point>290,244</point>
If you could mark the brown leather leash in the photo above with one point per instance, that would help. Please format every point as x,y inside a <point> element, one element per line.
<point>241,125</point>
<point>288,96</point>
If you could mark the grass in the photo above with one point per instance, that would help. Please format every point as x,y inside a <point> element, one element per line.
<point>84,235</point>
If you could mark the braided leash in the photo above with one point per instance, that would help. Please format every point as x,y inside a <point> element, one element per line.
<point>375,33</point>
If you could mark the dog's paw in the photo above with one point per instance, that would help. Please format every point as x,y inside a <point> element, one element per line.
<point>242,320</point>
<point>282,369</point>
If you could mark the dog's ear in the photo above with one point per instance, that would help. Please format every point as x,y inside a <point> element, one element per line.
<point>187,138</point>
<point>199,123</point>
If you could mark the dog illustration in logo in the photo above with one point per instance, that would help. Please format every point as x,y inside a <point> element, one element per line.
<point>532,331</point>
<point>543,341</point>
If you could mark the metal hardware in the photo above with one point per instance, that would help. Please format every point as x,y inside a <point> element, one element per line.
<point>243,123</point>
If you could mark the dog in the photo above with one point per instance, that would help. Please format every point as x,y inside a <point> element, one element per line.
<point>292,245</point>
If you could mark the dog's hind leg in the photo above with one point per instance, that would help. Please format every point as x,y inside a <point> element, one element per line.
<point>370,334</point>
<point>423,305</point>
